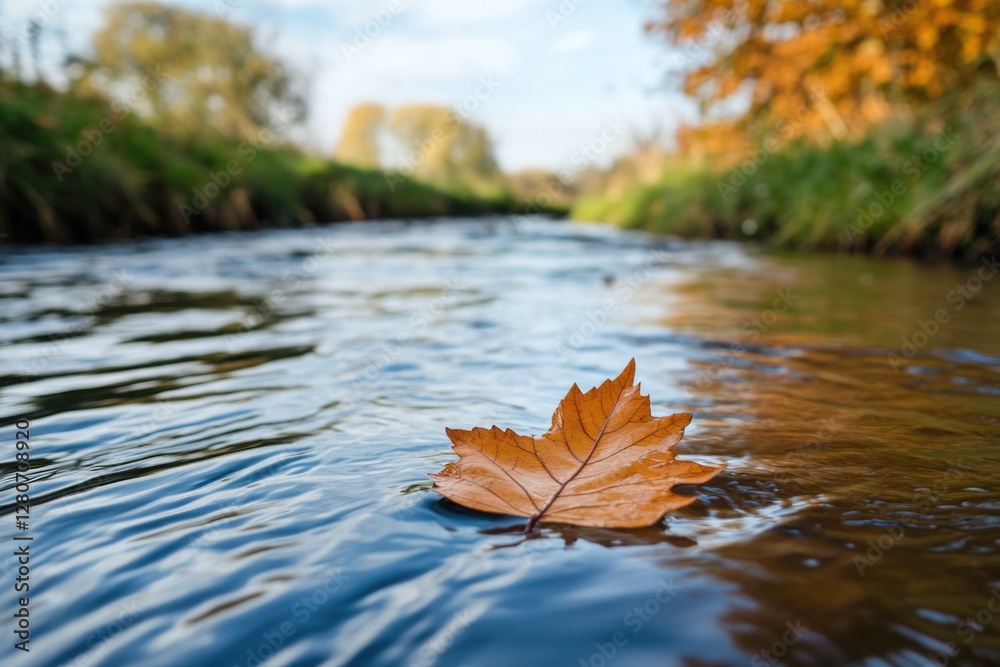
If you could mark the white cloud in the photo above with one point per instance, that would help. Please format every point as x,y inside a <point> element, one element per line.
<point>572,42</point>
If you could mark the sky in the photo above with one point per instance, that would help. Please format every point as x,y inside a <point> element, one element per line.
<point>547,78</point>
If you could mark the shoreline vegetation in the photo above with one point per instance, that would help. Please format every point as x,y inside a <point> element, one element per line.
<point>863,129</point>
<point>80,169</point>
<point>923,187</point>
<point>76,168</point>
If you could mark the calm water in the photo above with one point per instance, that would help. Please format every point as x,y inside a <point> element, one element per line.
<point>231,436</point>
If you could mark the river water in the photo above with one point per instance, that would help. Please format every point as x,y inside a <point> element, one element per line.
<point>230,437</point>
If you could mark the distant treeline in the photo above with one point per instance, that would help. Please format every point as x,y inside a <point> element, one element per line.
<point>77,168</point>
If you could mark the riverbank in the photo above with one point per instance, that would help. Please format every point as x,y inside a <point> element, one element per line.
<point>924,186</point>
<point>80,169</point>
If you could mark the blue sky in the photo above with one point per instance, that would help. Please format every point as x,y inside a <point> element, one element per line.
<point>560,76</point>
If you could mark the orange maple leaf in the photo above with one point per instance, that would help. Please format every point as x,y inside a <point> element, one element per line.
<point>605,462</point>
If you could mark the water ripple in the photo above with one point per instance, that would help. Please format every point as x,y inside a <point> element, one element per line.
<point>231,436</point>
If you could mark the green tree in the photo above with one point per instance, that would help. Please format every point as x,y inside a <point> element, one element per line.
<point>189,70</point>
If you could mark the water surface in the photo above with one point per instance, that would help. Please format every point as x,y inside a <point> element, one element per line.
<point>231,436</point>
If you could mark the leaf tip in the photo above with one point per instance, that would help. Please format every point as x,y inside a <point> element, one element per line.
<point>627,376</point>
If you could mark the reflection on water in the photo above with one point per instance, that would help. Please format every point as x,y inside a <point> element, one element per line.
<point>231,436</point>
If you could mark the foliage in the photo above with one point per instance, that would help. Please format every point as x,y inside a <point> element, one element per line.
<point>190,70</point>
<point>850,63</point>
<point>605,462</point>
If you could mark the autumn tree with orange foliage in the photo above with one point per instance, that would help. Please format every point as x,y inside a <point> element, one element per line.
<point>827,68</point>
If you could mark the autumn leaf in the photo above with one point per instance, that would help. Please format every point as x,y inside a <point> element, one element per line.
<point>604,462</point>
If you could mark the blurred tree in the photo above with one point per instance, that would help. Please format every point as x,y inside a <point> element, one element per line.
<point>831,66</point>
<point>542,187</point>
<point>440,146</point>
<point>359,138</point>
<point>190,70</point>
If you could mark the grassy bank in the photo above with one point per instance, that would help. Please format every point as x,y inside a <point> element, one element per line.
<point>925,186</point>
<point>76,169</point>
